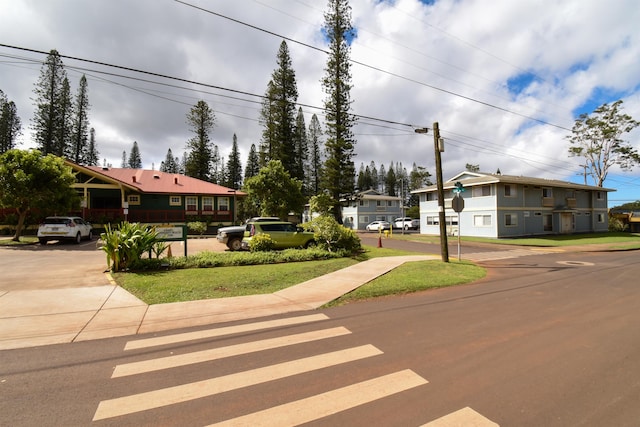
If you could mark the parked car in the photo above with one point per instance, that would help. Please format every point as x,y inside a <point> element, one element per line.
<point>64,228</point>
<point>232,236</point>
<point>378,226</point>
<point>406,223</point>
<point>284,234</point>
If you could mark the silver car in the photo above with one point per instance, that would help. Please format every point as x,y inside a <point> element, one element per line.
<point>71,228</point>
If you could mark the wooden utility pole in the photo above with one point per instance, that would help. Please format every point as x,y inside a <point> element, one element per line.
<point>439,147</point>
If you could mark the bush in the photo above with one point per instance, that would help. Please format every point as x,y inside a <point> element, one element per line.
<point>261,243</point>
<point>616,225</point>
<point>125,246</point>
<point>331,236</point>
<point>198,227</point>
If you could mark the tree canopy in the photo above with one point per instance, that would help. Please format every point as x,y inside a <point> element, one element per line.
<point>597,137</point>
<point>10,124</point>
<point>30,181</point>
<point>201,120</point>
<point>274,192</point>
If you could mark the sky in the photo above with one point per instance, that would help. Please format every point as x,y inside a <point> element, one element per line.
<point>504,80</point>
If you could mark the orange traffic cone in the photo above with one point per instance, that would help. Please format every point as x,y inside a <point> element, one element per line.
<point>379,240</point>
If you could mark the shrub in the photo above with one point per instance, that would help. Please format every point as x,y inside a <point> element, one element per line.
<point>198,227</point>
<point>125,246</point>
<point>261,243</point>
<point>331,236</point>
<point>616,225</point>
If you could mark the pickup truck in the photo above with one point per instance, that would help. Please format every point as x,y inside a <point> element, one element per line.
<point>232,236</point>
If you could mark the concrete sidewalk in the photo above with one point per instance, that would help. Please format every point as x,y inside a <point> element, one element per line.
<point>32,318</point>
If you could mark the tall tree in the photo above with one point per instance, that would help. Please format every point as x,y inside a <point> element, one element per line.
<point>201,120</point>
<point>80,136</point>
<point>382,179</point>
<point>64,121</point>
<point>253,163</point>
<point>125,163</point>
<point>48,90</point>
<point>598,138</point>
<point>472,168</point>
<point>217,165</point>
<point>234,166</point>
<point>374,176</point>
<point>169,164</point>
<point>30,181</point>
<point>391,180</point>
<point>135,160</point>
<point>10,124</point>
<point>314,148</point>
<point>418,178</point>
<point>92,154</point>
<point>300,143</point>
<point>339,171</point>
<point>278,113</point>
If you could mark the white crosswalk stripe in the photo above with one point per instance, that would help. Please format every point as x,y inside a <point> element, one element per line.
<point>514,253</point>
<point>293,413</point>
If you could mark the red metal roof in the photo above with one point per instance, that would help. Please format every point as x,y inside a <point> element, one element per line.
<point>152,181</point>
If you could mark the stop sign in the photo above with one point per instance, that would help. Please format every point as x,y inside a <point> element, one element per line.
<point>457,203</point>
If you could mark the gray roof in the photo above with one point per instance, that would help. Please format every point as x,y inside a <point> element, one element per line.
<point>483,179</point>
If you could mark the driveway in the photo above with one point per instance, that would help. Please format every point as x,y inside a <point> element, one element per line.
<point>65,265</point>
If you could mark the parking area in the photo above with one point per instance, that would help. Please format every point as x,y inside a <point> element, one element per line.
<point>64,265</point>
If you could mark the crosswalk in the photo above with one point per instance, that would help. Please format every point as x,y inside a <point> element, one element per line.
<point>513,253</point>
<point>306,409</point>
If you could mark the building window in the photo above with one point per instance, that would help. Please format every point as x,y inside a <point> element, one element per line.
<point>433,220</point>
<point>601,218</point>
<point>509,190</point>
<point>432,197</point>
<point>207,204</point>
<point>600,195</point>
<point>570,194</point>
<point>547,192</point>
<point>481,191</point>
<point>191,203</point>
<point>175,201</point>
<point>364,219</point>
<point>364,203</point>
<point>547,222</point>
<point>510,220</point>
<point>133,199</point>
<point>390,203</point>
<point>482,220</point>
<point>223,203</point>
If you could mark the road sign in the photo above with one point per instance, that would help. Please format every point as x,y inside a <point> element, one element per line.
<point>457,203</point>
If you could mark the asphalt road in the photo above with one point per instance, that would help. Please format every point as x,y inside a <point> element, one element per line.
<point>547,340</point>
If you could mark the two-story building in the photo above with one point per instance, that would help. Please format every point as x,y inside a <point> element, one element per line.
<point>370,206</point>
<point>497,206</point>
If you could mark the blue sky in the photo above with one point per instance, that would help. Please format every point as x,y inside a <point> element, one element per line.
<point>505,82</point>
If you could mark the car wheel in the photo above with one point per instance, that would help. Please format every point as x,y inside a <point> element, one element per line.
<point>90,235</point>
<point>406,227</point>
<point>310,244</point>
<point>42,241</point>
<point>234,244</point>
<point>78,238</point>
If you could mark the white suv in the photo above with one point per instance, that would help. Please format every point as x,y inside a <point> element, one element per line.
<point>64,228</point>
<point>406,223</point>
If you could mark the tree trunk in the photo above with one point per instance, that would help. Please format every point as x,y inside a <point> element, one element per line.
<point>21,217</point>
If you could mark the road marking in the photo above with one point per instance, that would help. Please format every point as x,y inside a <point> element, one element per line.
<point>329,403</point>
<point>210,333</point>
<point>466,417</point>
<point>183,393</point>
<point>222,352</point>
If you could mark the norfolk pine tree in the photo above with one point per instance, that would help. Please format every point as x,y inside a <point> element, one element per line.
<point>234,167</point>
<point>80,137</point>
<point>48,92</point>
<point>10,124</point>
<point>300,153</point>
<point>169,164</point>
<point>339,169</point>
<point>313,173</point>
<point>135,161</point>
<point>64,120</point>
<point>278,114</point>
<point>201,121</point>
<point>597,138</point>
<point>253,163</point>
<point>92,155</point>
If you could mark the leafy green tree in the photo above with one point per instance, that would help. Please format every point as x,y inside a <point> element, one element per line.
<point>10,124</point>
<point>278,114</point>
<point>80,136</point>
<point>472,168</point>
<point>274,191</point>
<point>598,138</point>
<point>201,120</point>
<point>30,181</point>
<point>135,161</point>
<point>313,173</point>
<point>234,166</point>
<point>339,169</point>
<point>253,163</point>
<point>49,91</point>
<point>92,155</point>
